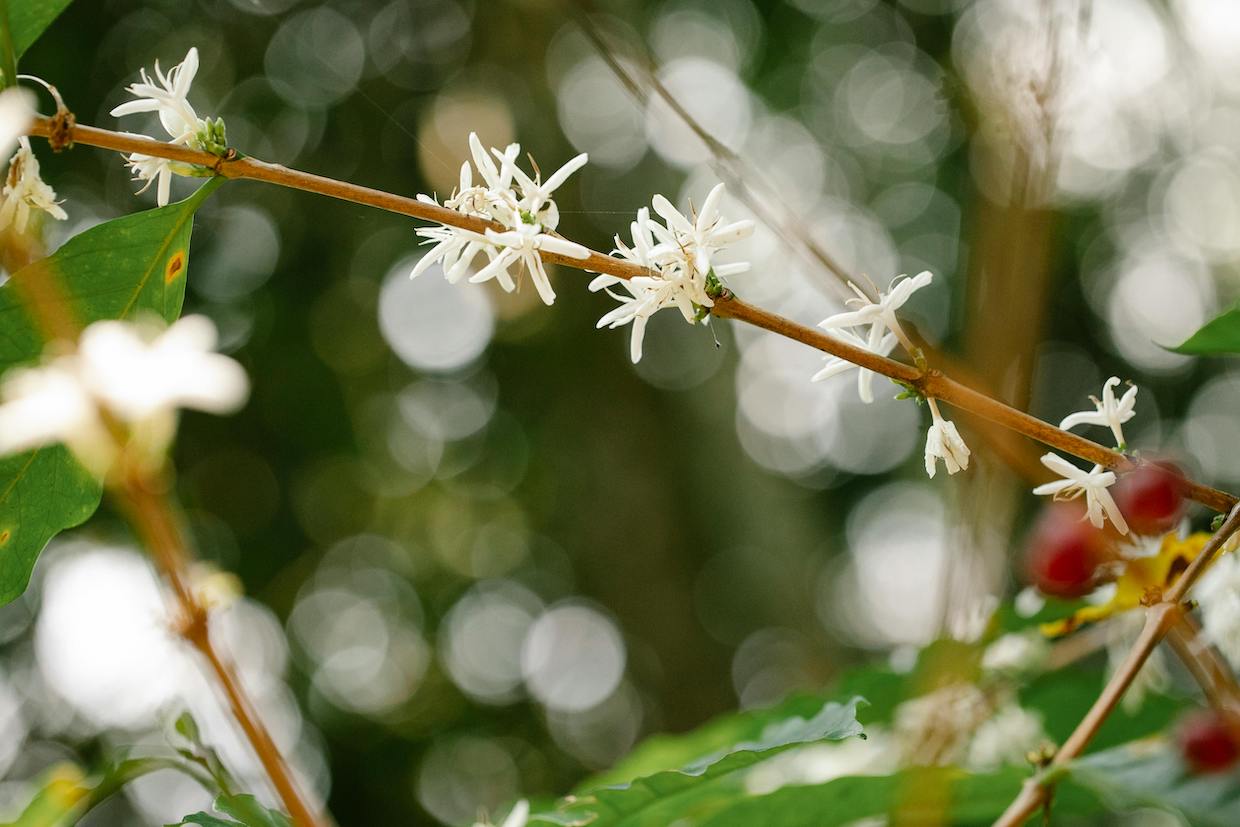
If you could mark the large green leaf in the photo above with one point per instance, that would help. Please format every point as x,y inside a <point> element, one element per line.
<point>116,270</point>
<point>1220,335</point>
<point>705,784</point>
<point>945,796</point>
<point>29,18</point>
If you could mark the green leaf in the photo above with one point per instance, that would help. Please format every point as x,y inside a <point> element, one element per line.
<point>116,270</point>
<point>1220,335</point>
<point>29,18</point>
<point>705,783</point>
<point>244,808</point>
<point>1151,774</point>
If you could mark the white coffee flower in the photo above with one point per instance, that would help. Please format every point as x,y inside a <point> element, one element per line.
<point>943,442</point>
<point>880,315</point>
<point>1110,412</point>
<point>865,378</point>
<point>1005,739</point>
<point>24,189</point>
<point>16,115</point>
<point>525,210</point>
<point>935,728</point>
<point>1093,484</point>
<point>1015,653</point>
<point>1219,596</point>
<point>130,372</point>
<point>168,95</point>
<point>678,257</point>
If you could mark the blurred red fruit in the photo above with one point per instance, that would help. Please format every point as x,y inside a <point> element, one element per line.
<point>1064,553</point>
<point>1151,498</point>
<point>1206,742</point>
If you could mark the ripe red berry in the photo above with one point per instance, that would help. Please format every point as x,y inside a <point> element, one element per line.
<point>1151,498</point>
<point>1207,742</point>
<point>1064,553</point>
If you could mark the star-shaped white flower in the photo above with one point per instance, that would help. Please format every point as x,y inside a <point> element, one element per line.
<point>943,442</point>
<point>168,95</point>
<point>126,371</point>
<point>678,258</point>
<point>865,378</point>
<point>24,189</point>
<point>699,238</point>
<point>1094,483</point>
<point>1109,411</point>
<point>879,315</point>
<point>522,205</point>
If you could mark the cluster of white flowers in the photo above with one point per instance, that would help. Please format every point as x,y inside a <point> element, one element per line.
<point>168,95</point>
<point>122,373</point>
<point>1219,595</point>
<point>679,255</point>
<point>525,210</point>
<point>1094,483</point>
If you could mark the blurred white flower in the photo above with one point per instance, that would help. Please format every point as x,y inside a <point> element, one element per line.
<point>529,218</point>
<point>865,378</point>
<point>168,95</point>
<point>1093,484</point>
<point>24,189</point>
<point>516,817</point>
<point>944,442</point>
<point>1004,739</point>
<point>1111,412</point>
<point>1219,596</point>
<point>935,728</point>
<point>125,371</point>
<point>16,114</point>
<point>1015,653</point>
<point>678,257</point>
<point>879,315</point>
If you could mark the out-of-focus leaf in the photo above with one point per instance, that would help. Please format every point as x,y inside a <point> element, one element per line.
<point>246,811</point>
<point>964,798</point>
<point>708,782</point>
<point>116,270</point>
<point>1064,696</point>
<point>1151,774</point>
<point>62,798</point>
<point>29,18</point>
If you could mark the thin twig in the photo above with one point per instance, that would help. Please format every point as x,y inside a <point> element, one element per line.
<point>148,505</point>
<point>1158,621</point>
<point>930,383</point>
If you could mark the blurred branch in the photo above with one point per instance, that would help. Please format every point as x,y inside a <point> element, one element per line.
<point>1159,621</point>
<point>928,382</point>
<point>1205,665</point>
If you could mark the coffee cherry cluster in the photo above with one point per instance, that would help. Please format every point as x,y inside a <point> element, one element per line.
<point>1067,557</point>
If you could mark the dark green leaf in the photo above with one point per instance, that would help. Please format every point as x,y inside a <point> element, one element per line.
<point>1220,335</point>
<point>116,270</point>
<point>29,18</point>
<point>1063,697</point>
<point>708,781</point>
<point>1151,774</point>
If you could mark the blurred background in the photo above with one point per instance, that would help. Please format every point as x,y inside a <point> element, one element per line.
<point>483,554</point>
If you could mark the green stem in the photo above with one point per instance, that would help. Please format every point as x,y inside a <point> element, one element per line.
<point>8,57</point>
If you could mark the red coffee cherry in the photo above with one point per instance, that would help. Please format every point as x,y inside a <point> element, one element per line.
<point>1151,498</point>
<point>1064,553</point>
<point>1207,742</point>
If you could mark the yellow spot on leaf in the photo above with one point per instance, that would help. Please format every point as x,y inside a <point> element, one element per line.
<point>4,536</point>
<point>174,267</point>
